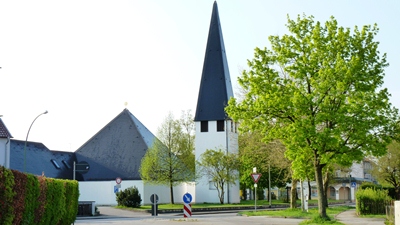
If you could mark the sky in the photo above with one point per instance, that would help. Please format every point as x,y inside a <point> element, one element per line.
<point>85,61</point>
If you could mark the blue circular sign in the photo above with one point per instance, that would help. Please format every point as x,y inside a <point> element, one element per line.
<point>187,198</point>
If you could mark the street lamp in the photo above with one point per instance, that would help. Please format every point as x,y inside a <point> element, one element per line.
<point>26,140</point>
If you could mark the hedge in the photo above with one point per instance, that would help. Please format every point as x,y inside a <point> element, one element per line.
<point>371,201</point>
<point>29,199</point>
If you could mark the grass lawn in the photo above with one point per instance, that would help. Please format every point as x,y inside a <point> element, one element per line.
<point>311,216</point>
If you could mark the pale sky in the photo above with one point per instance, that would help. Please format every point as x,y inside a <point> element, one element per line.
<point>83,59</point>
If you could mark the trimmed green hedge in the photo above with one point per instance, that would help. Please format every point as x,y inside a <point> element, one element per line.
<point>371,201</point>
<point>29,199</point>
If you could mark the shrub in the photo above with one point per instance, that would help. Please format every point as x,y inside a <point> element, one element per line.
<point>6,196</point>
<point>129,197</point>
<point>31,199</point>
<point>372,201</point>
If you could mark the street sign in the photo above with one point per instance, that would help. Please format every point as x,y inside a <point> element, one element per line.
<point>154,198</point>
<point>187,198</point>
<point>353,184</point>
<point>256,177</point>
<point>118,180</point>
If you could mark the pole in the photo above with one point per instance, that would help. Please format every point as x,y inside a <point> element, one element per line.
<point>350,187</point>
<point>269,184</point>
<point>74,171</point>
<point>26,140</point>
<point>255,197</point>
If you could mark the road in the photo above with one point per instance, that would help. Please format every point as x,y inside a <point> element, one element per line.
<point>208,219</point>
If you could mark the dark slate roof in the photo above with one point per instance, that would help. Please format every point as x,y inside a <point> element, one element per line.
<point>4,133</point>
<point>39,159</point>
<point>116,150</point>
<point>215,87</point>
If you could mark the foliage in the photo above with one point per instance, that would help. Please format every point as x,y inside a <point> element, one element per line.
<point>372,201</point>
<point>170,160</point>
<point>55,202</point>
<point>28,199</point>
<point>32,193</point>
<point>129,197</point>
<point>219,167</point>
<point>255,153</point>
<point>6,196</point>
<point>319,91</point>
<point>387,168</point>
<point>71,202</point>
<point>19,187</point>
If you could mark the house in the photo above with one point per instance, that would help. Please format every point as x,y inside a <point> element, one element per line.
<point>5,136</point>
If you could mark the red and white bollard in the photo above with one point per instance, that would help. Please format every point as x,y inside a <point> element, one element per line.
<point>187,210</point>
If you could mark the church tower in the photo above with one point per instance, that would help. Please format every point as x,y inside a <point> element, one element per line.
<point>214,129</point>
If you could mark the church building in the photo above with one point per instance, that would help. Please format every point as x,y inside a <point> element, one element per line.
<point>214,129</point>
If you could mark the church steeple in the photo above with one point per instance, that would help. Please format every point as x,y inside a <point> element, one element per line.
<point>215,87</point>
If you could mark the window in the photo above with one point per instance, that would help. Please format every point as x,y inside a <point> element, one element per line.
<point>220,125</point>
<point>55,164</point>
<point>204,126</point>
<point>66,164</point>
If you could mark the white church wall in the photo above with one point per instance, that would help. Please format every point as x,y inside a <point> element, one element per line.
<point>102,192</point>
<point>205,191</point>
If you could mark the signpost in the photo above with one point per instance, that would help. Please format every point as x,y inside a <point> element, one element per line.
<point>187,208</point>
<point>154,200</point>
<point>256,176</point>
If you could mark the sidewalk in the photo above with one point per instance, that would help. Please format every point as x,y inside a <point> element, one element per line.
<point>349,217</point>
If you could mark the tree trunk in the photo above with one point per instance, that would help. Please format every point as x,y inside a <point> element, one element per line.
<point>309,189</point>
<point>293,192</point>
<point>320,187</point>
<point>302,195</point>
<point>326,186</point>
<point>171,189</point>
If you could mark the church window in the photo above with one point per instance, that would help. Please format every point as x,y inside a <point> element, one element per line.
<point>204,126</point>
<point>220,125</point>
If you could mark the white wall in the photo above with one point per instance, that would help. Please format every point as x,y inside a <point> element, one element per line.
<point>5,152</point>
<point>102,192</point>
<point>215,140</point>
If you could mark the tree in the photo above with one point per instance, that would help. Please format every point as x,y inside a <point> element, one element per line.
<point>319,90</point>
<point>170,161</point>
<point>387,168</point>
<point>253,152</point>
<point>219,167</point>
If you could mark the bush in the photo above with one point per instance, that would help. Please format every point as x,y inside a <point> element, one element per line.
<point>372,201</point>
<point>129,197</point>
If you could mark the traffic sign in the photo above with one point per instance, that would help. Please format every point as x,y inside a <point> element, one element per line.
<point>256,177</point>
<point>154,198</point>
<point>115,189</point>
<point>118,180</point>
<point>187,198</point>
<point>353,184</point>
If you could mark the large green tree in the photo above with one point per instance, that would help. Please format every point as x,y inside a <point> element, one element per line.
<point>219,167</point>
<point>171,161</point>
<point>319,90</point>
<point>386,169</point>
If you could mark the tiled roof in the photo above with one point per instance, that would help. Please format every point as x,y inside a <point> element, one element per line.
<point>4,133</point>
<point>215,87</point>
<point>116,150</point>
<point>38,159</point>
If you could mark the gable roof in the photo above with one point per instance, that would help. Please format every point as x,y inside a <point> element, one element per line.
<point>215,87</point>
<point>116,150</point>
<point>37,159</point>
<point>4,133</point>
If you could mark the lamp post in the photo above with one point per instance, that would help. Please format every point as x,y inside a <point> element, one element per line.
<point>26,140</point>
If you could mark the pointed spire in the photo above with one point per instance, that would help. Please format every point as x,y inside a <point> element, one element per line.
<point>215,87</point>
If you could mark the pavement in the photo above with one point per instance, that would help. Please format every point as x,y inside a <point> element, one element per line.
<point>108,212</point>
